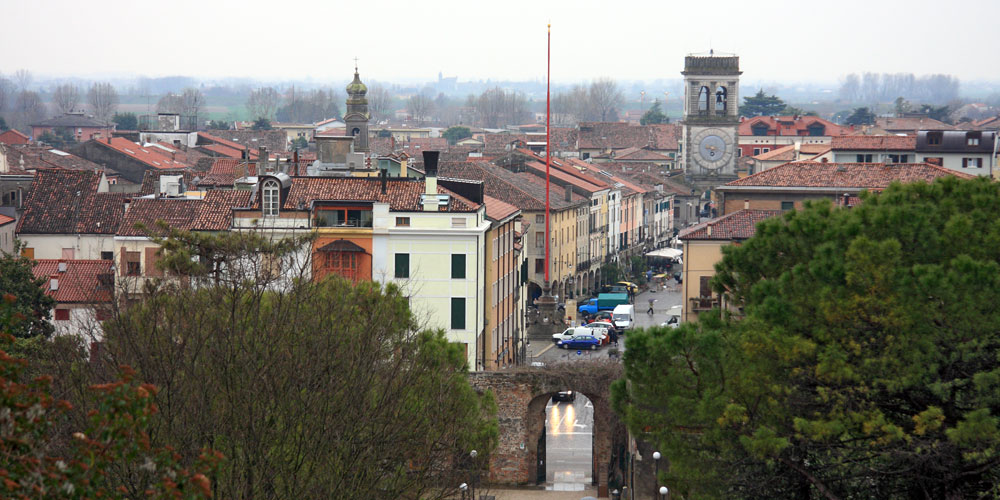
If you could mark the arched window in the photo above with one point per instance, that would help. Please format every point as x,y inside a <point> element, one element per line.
<point>721,100</point>
<point>703,101</point>
<point>270,198</point>
<point>356,131</point>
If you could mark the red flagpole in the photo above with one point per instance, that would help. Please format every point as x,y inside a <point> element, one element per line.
<point>548,155</point>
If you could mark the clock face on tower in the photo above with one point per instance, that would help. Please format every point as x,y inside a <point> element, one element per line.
<point>713,149</point>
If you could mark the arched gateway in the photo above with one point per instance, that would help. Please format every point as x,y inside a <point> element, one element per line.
<point>521,396</point>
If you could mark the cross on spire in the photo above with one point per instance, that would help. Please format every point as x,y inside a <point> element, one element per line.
<point>355,64</point>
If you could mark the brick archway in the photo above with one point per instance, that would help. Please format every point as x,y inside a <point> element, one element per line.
<point>521,396</point>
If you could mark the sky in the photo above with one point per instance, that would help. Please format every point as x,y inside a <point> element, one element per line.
<point>412,40</point>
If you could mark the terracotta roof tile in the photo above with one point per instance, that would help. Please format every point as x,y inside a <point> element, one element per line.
<point>874,143</point>
<point>738,225</point>
<point>845,175</point>
<point>790,125</point>
<point>911,125</point>
<point>36,157</point>
<point>153,157</point>
<point>4,220</point>
<point>402,194</point>
<point>212,213</point>
<point>14,137</point>
<point>223,173</point>
<point>64,201</point>
<point>618,135</point>
<point>79,283</point>
<point>495,209</point>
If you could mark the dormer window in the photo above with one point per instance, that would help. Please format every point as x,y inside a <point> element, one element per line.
<point>759,129</point>
<point>270,197</point>
<point>972,138</point>
<point>934,138</point>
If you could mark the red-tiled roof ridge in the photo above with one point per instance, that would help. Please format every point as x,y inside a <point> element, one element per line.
<point>4,219</point>
<point>402,194</point>
<point>225,142</point>
<point>847,175</point>
<point>140,153</point>
<point>739,225</point>
<point>874,142</point>
<point>496,210</point>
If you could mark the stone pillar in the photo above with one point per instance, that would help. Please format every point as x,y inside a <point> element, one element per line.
<point>545,326</point>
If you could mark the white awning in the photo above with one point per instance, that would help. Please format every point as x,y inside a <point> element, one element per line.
<point>672,253</point>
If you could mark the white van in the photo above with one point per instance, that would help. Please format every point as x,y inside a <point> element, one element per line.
<point>623,316</point>
<point>673,317</point>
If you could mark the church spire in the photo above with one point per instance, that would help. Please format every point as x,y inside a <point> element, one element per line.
<point>356,114</point>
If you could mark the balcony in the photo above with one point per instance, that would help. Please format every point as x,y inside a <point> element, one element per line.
<point>703,303</point>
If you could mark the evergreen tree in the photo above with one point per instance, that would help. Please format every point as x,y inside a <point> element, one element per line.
<point>761,104</point>
<point>865,364</point>
<point>654,115</point>
<point>860,116</point>
<point>32,304</point>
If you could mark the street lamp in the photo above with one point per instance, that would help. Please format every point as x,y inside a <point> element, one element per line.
<point>663,492</point>
<point>656,469</point>
<point>475,475</point>
<point>463,488</point>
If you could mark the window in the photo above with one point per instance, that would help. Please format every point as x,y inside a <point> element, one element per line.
<point>107,256</point>
<point>132,265</point>
<point>458,222</point>
<point>458,266</point>
<point>539,219</point>
<point>704,288</point>
<point>865,158</point>
<point>972,163</point>
<point>756,151</point>
<point>270,197</point>
<point>458,313</point>
<point>764,150</point>
<point>539,239</point>
<point>972,138</point>
<point>403,221</point>
<point>817,129</point>
<point>539,265</point>
<point>402,265</point>
<point>343,217</point>
<point>897,158</point>
<point>62,314</point>
<point>934,138</point>
<point>759,129</point>
<point>721,100</point>
<point>788,205</point>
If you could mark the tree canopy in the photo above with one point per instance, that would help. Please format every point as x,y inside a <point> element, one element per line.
<point>457,133</point>
<point>126,121</point>
<point>864,366</point>
<point>17,279</point>
<point>860,116</point>
<point>310,389</point>
<point>654,115</point>
<point>761,104</point>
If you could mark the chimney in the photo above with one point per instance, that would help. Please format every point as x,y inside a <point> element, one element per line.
<point>295,158</point>
<point>430,200</point>
<point>709,229</point>
<point>569,192</point>
<point>54,282</point>
<point>847,196</point>
<point>746,204</point>
<point>109,140</point>
<point>384,179</point>
<point>261,161</point>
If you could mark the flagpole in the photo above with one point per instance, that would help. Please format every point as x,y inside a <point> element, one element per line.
<point>548,154</point>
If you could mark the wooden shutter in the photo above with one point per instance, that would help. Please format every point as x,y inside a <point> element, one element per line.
<point>705,290</point>
<point>151,259</point>
<point>123,265</point>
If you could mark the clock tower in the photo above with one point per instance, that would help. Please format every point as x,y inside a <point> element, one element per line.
<point>711,118</point>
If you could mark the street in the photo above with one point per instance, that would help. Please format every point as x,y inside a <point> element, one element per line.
<point>546,351</point>
<point>569,429</point>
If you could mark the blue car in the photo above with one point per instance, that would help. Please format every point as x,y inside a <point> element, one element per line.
<point>580,342</point>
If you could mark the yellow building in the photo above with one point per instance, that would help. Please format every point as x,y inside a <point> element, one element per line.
<point>505,334</point>
<point>295,131</point>
<point>703,249</point>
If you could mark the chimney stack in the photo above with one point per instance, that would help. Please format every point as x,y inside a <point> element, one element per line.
<point>709,229</point>
<point>569,192</point>
<point>384,180</point>
<point>430,181</point>
<point>746,204</point>
<point>261,161</point>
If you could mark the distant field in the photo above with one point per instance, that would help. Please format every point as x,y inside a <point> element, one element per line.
<point>209,112</point>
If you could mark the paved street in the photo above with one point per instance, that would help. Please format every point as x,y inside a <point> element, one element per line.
<point>544,350</point>
<point>569,427</point>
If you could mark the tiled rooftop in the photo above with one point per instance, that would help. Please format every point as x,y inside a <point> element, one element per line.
<point>844,175</point>
<point>64,201</point>
<point>874,143</point>
<point>213,213</point>
<point>401,194</point>
<point>79,283</point>
<point>738,225</point>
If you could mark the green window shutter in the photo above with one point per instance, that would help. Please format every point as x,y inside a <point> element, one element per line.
<point>458,266</point>
<point>524,271</point>
<point>402,265</point>
<point>458,313</point>
<point>788,205</point>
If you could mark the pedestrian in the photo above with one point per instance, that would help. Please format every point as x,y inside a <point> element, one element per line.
<point>651,301</point>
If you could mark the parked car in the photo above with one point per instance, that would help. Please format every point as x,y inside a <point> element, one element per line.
<point>564,396</point>
<point>673,317</point>
<point>629,286</point>
<point>581,342</point>
<point>604,316</point>
<point>606,326</point>
<point>599,332</point>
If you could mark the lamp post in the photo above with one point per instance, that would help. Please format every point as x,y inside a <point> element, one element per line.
<point>463,488</point>
<point>663,492</point>
<point>656,467</point>
<point>475,475</point>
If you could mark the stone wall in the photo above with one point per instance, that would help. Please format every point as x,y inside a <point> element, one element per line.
<point>521,396</point>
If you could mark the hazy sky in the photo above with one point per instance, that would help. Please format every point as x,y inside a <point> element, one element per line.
<point>413,40</point>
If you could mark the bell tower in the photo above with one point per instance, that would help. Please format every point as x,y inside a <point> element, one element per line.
<point>711,118</point>
<point>356,115</point>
